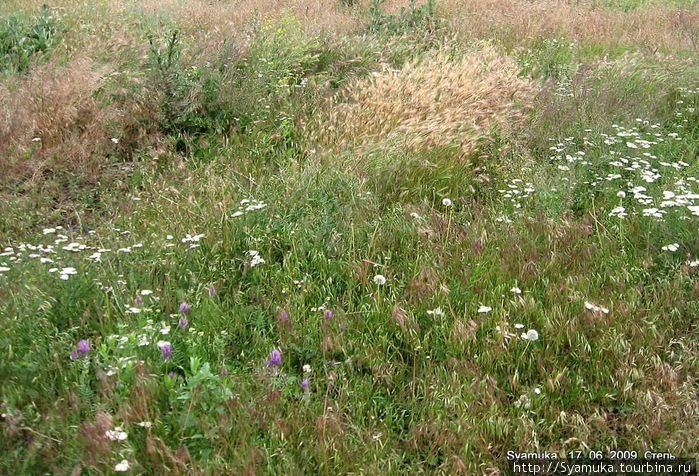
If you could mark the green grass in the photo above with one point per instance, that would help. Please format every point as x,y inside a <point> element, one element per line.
<point>425,374</point>
<point>628,5</point>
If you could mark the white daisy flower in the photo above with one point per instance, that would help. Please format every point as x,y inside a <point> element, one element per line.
<point>117,434</point>
<point>618,212</point>
<point>256,258</point>
<point>672,247</point>
<point>595,308</point>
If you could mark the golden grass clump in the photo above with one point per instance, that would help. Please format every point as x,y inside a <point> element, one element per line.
<point>434,102</point>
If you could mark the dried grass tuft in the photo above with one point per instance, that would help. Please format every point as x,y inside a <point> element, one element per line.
<point>51,120</point>
<point>438,101</point>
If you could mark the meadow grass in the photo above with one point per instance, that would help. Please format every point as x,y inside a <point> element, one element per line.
<point>294,238</point>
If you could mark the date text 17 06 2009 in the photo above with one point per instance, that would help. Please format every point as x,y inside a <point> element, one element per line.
<point>592,455</point>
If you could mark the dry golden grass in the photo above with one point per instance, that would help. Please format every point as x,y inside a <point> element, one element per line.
<point>228,17</point>
<point>116,32</point>
<point>652,27</point>
<point>203,21</point>
<point>655,26</point>
<point>51,121</point>
<point>438,101</point>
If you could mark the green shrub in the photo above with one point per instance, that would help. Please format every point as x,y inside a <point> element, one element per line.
<point>550,58</point>
<point>255,95</point>
<point>238,92</point>
<point>423,17</point>
<point>22,38</point>
<point>631,5</point>
<point>261,85</point>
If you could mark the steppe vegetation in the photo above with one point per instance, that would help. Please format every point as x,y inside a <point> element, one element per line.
<point>346,237</point>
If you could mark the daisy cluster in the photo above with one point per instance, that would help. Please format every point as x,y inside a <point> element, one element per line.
<point>643,167</point>
<point>63,256</point>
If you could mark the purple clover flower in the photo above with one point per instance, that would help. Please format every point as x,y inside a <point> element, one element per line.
<point>283,316</point>
<point>138,300</point>
<point>275,358</point>
<point>183,323</point>
<point>185,308</point>
<point>212,290</point>
<point>83,346</point>
<point>165,349</point>
<point>305,384</point>
<point>327,314</point>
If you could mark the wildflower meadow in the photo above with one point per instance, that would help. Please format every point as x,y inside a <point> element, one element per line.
<point>351,237</point>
